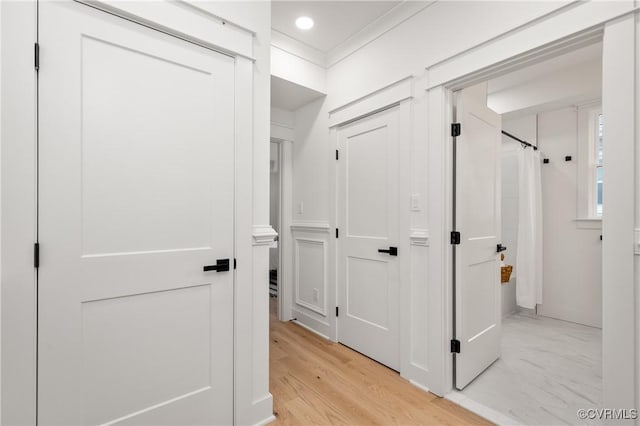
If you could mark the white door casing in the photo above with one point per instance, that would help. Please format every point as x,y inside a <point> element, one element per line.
<point>368,280</point>
<point>136,196</point>
<point>477,218</point>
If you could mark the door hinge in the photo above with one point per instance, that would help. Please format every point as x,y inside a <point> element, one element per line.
<point>337,311</point>
<point>36,56</point>
<point>337,232</point>
<point>455,129</point>
<point>455,346</point>
<point>337,155</point>
<point>36,255</point>
<point>235,263</point>
<point>455,237</point>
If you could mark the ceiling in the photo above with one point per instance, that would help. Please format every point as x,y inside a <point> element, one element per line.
<point>547,68</point>
<point>290,96</point>
<point>335,21</point>
<point>573,78</point>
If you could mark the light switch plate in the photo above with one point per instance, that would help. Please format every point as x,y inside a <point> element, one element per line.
<point>415,202</point>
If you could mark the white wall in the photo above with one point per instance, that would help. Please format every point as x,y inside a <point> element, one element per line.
<point>436,33</point>
<point>313,238</point>
<point>282,117</point>
<point>448,39</point>
<point>572,259</point>
<point>572,85</point>
<point>290,67</point>
<point>312,153</point>
<point>572,264</point>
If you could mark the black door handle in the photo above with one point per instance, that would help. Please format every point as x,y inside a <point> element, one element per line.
<point>500,248</point>
<point>221,265</point>
<point>393,251</point>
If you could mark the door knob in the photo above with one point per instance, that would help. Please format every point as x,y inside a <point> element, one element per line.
<point>221,265</point>
<point>500,248</point>
<point>392,251</point>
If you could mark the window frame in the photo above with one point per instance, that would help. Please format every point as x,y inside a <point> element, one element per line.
<point>593,162</point>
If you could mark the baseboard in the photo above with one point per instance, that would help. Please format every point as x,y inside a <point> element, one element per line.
<point>319,327</point>
<point>303,325</point>
<point>481,410</point>
<point>266,421</point>
<point>419,386</point>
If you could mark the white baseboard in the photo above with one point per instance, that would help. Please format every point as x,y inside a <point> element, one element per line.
<point>481,410</point>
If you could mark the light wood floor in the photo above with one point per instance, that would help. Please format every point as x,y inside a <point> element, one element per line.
<point>317,382</point>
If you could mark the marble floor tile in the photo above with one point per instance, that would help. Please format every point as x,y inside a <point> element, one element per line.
<point>547,371</point>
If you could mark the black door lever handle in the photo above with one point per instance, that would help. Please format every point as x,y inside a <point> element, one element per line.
<point>221,265</point>
<point>500,248</point>
<point>392,251</point>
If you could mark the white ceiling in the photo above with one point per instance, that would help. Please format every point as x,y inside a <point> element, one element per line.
<point>547,68</point>
<point>569,79</point>
<point>335,21</point>
<point>290,96</point>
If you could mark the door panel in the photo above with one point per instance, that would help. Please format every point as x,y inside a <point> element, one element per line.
<point>477,218</point>
<point>136,196</point>
<point>368,205</point>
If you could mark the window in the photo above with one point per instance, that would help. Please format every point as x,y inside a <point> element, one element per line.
<point>589,171</point>
<point>596,164</point>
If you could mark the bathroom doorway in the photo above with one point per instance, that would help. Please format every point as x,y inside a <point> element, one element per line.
<point>540,354</point>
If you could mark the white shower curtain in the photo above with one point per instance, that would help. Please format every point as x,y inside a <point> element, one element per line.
<point>529,251</point>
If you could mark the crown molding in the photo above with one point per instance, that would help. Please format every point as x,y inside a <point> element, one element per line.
<point>375,30</point>
<point>297,48</point>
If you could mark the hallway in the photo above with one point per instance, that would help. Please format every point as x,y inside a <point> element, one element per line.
<point>315,381</point>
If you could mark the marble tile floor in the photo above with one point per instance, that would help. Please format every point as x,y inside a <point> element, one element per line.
<point>548,370</point>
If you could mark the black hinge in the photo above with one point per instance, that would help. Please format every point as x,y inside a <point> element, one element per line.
<point>337,155</point>
<point>455,346</point>
<point>455,237</point>
<point>337,232</point>
<point>234,263</point>
<point>36,255</point>
<point>36,56</point>
<point>337,311</point>
<point>455,129</point>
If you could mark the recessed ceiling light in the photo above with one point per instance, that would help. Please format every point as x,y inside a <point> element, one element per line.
<point>304,23</point>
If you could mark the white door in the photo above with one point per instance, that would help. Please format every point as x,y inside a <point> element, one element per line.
<point>477,218</point>
<point>368,225</point>
<point>136,197</point>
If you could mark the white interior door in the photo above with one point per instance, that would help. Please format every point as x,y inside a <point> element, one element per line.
<point>136,197</point>
<point>368,222</point>
<point>477,218</point>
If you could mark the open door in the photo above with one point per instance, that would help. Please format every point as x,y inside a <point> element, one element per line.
<point>477,322</point>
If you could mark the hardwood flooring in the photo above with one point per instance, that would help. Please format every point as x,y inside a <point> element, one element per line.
<point>318,382</point>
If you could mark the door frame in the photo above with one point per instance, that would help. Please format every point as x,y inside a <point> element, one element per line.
<point>397,95</point>
<point>620,86</point>
<point>341,274</point>
<point>285,241</point>
<point>19,190</point>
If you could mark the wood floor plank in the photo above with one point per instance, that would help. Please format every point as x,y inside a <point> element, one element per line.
<point>317,382</point>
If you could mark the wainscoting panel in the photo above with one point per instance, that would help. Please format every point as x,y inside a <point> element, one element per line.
<point>310,274</point>
<point>313,292</point>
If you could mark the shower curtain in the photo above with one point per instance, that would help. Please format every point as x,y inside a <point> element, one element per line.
<point>529,250</point>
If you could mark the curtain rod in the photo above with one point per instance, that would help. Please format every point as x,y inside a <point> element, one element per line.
<point>525,143</point>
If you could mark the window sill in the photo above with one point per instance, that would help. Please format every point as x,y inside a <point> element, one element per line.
<point>588,223</point>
